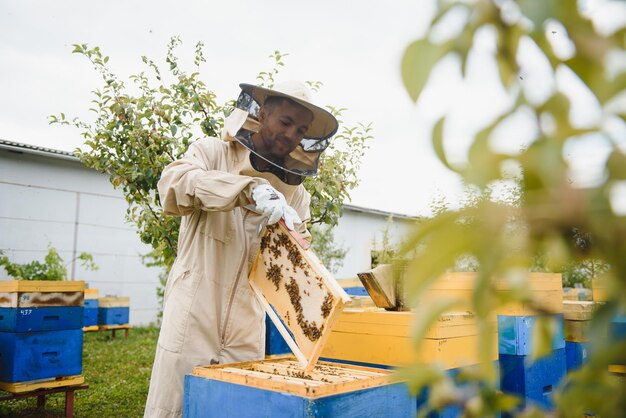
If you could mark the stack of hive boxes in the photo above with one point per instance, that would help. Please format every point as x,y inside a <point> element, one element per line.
<point>533,381</point>
<point>113,311</point>
<point>90,313</point>
<point>41,333</point>
<point>384,338</point>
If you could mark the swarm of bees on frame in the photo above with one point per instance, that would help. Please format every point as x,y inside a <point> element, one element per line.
<point>273,243</point>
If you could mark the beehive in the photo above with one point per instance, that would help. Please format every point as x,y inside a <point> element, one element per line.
<point>90,312</point>
<point>385,338</point>
<point>113,310</point>
<point>546,290</point>
<point>578,315</point>
<point>534,381</point>
<point>41,325</point>
<point>40,293</point>
<point>293,286</point>
<point>599,290</point>
<point>279,388</point>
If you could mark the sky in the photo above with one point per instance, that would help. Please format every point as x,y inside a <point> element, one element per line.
<point>354,51</point>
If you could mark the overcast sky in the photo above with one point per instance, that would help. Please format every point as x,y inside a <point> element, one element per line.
<point>354,48</point>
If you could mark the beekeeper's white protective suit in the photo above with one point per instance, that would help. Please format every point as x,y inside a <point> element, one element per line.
<point>210,313</point>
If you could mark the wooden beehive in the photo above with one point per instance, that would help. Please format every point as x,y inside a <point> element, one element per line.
<point>385,338</point>
<point>546,290</point>
<point>280,388</point>
<point>291,283</point>
<point>40,293</point>
<point>113,310</point>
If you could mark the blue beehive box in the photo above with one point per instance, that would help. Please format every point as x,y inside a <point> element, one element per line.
<point>28,356</point>
<point>113,310</point>
<point>280,388</point>
<point>41,319</point>
<point>534,382</point>
<point>356,291</point>
<point>274,342</point>
<point>515,334</point>
<point>618,327</point>
<point>113,316</point>
<point>90,313</point>
<point>576,354</point>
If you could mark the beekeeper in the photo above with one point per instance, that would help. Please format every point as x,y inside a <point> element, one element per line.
<point>226,190</point>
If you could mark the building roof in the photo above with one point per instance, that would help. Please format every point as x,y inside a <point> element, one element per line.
<point>377,212</point>
<point>34,149</point>
<point>55,153</point>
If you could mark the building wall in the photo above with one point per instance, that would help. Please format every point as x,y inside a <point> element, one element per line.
<point>52,201</point>
<point>360,231</point>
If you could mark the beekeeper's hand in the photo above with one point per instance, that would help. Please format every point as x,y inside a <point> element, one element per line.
<point>272,204</point>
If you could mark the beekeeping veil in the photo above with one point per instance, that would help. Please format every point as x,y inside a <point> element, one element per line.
<point>303,161</point>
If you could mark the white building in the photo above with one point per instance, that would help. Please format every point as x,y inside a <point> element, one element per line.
<point>47,197</point>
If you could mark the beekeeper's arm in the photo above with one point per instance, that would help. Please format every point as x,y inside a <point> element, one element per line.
<point>192,182</point>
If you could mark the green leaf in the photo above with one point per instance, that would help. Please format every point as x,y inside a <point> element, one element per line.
<point>419,59</point>
<point>173,129</point>
<point>437,140</point>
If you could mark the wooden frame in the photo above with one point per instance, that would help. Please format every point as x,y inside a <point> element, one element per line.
<point>286,376</point>
<point>296,290</point>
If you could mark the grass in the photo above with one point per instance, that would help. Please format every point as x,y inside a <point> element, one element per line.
<point>117,371</point>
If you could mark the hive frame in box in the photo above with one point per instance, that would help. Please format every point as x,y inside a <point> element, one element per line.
<point>284,375</point>
<point>319,289</point>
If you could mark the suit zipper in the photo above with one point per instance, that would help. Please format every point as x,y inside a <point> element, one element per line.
<point>244,258</point>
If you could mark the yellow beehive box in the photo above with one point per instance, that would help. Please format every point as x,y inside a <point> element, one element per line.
<point>91,293</point>
<point>385,338</point>
<point>578,310</point>
<point>546,289</point>
<point>599,290</point>
<point>41,293</point>
<point>114,302</point>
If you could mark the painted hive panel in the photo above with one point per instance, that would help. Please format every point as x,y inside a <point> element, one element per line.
<point>28,356</point>
<point>280,388</point>
<point>113,316</point>
<point>515,334</point>
<point>40,293</point>
<point>41,319</point>
<point>294,286</point>
<point>382,337</point>
<point>534,381</point>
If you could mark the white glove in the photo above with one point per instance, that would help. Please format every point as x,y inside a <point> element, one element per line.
<point>272,203</point>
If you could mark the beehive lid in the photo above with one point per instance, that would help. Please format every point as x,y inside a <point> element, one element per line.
<point>91,293</point>
<point>42,286</point>
<point>578,310</point>
<point>285,375</point>
<point>114,302</point>
<point>295,287</point>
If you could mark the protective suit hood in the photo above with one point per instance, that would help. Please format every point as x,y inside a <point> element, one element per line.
<point>303,161</point>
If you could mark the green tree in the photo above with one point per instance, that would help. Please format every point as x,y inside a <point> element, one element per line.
<point>52,268</point>
<point>139,129</point>
<point>330,253</point>
<point>506,239</point>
